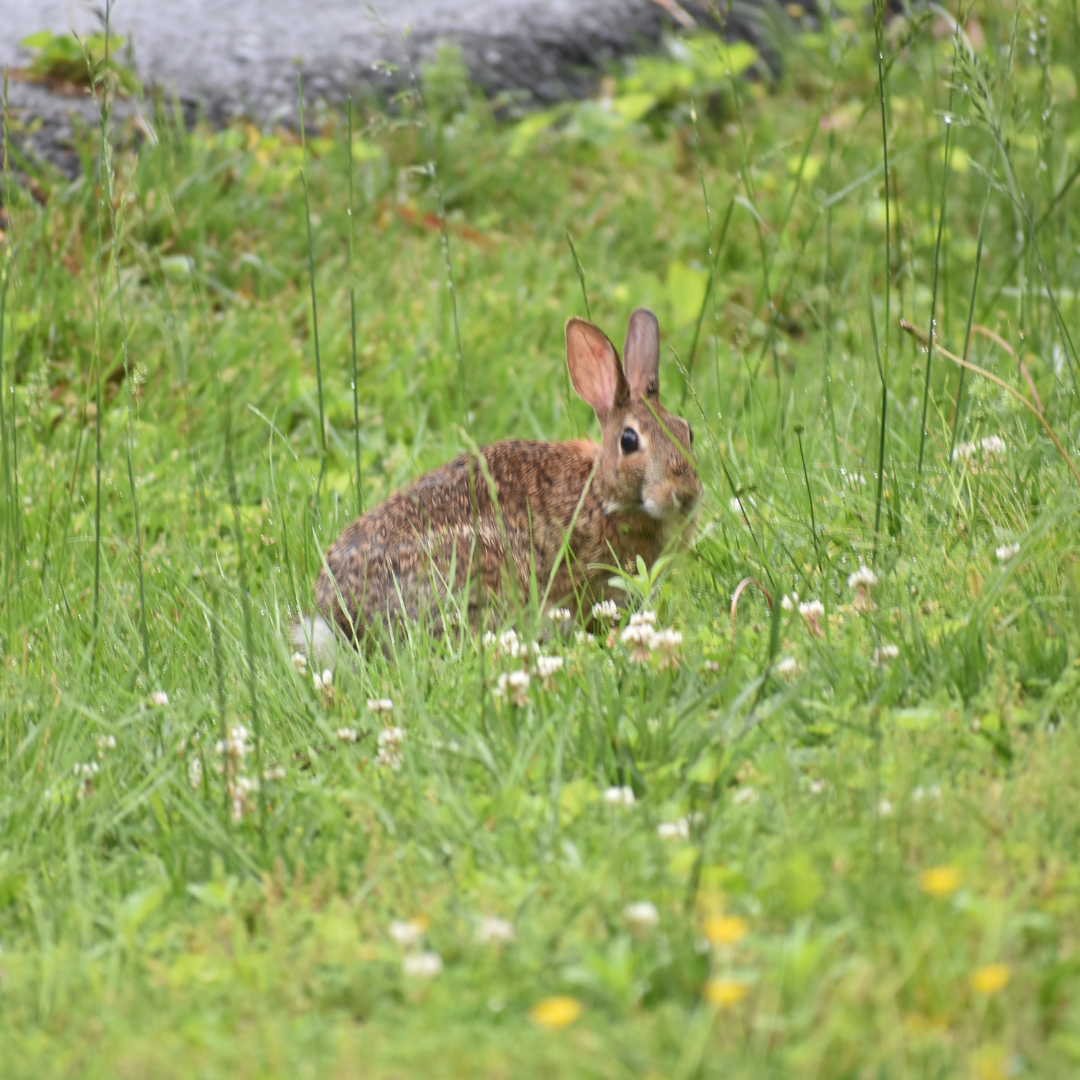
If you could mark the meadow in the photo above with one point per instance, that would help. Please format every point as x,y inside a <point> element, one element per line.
<point>830,832</point>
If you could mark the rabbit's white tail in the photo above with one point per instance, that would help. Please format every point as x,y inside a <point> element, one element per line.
<point>315,638</point>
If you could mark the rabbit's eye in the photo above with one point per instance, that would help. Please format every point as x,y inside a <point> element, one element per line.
<point>629,441</point>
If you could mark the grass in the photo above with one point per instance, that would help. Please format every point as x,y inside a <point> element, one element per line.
<point>861,845</point>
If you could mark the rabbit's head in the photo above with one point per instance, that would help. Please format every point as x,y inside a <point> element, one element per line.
<point>645,463</point>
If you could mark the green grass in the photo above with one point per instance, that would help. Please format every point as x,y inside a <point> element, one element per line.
<point>146,932</point>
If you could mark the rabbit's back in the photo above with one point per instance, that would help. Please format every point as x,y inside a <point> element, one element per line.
<point>445,531</point>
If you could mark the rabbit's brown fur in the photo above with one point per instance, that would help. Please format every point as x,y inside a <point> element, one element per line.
<point>408,553</point>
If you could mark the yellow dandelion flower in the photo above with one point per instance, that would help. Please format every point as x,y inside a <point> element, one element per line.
<point>940,880</point>
<point>724,992</point>
<point>554,1013</point>
<point>726,929</point>
<point>990,979</point>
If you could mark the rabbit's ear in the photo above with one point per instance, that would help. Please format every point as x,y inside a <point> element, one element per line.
<point>642,355</point>
<point>594,367</point>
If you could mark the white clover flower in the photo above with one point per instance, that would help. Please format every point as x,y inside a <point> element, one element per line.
<point>299,661</point>
<point>390,755</point>
<point>87,769</point>
<point>582,638</point>
<point>639,637</point>
<point>380,705</point>
<point>274,772</point>
<point>488,639</point>
<point>423,965</point>
<point>932,792</point>
<point>813,611</point>
<point>787,667</point>
<point>194,773</point>
<point>665,643</point>
<point>494,931</point>
<point>510,644</point>
<point>883,654</point>
<point>994,446</point>
<point>515,686</point>
<point>712,666</point>
<point>862,581</point>
<point>1006,552</point>
<point>884,808</point>
<point>348,734</point>
<point>745,795</point>
<point>240,789</point>
<point>316,681</point>
<point>547,667</point>
<point>674,830</point>
<point>643,618</point>
<point>788,602</point>
<point>159,698</point>
<point>235,745</point>
<point>560,614</point>
<point>606,609</point>
<point>817,786</point>
<point>641,916</point>
<point>855,479</point>
<point>965,450</point>
<point>106,742</point>
<point>619,796</point>
<point>406,933</point>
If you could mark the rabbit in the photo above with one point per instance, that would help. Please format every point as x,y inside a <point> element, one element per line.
<point>635,493</point>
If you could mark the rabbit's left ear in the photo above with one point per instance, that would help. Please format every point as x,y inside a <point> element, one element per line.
<point>641,355</point>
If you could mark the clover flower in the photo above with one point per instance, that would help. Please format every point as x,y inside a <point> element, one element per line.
<point>380,705</point>
<point>406,933</point>
<point>195,773</point>
<point>515,686</point>
<point>883,654</point>
<point>674,830</point>
<point>813,611</point>
<point>159,698</point>
<point>788,667</point>
<point>560,614</point>
<point>665,643</point>
<point>389,755</point>
<point>299,661</point>
<point>639,638</point>
<point>348,734</point>
<point>422,965</point>
<point>641,916</point>
<point>495,931</point>
<point>607,610</point>
<point>1006,552</point>
<point>546,668</point>
<point>619,796</point>
<point>862,581</point>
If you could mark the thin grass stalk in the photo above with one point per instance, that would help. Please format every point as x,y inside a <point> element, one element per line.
<point>711,285</point>
<point>580,273</point>
<point>809,493</point>
<point>444,235</point>
<point>879,17</point>
<point>881,444</point>
<point>314,303</point>
<point>709,293</point>
<point>982,222</point>
<point>98,348</point>
<point>106,173</point>
<point>8,527</point>
<point>5,274</point>
<point>352,326</point>
<point>245,606</point>
<point>937,251</point>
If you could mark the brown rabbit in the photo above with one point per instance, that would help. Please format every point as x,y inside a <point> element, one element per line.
<point>445,531</point>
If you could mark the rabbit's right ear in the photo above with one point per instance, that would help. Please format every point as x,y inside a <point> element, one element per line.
<point>594,367</point>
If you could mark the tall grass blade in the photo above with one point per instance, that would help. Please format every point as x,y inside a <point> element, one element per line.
<point>352,327</point>
<point>314,302</point>
<point>580,273</point>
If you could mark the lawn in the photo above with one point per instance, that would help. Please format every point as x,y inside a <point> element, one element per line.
<point>836,835</point>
